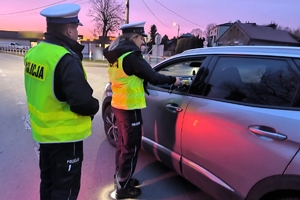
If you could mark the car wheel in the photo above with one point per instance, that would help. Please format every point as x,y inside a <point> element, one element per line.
<point>286,195</point>
<point>288,198</point>
<point>110,126</point>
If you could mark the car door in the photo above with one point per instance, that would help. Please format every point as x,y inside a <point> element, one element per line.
<point>162,119</point>
<point>243,125</point>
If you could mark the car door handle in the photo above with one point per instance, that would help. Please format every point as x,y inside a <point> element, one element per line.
<point>267,132</point>
<point>173,108</point>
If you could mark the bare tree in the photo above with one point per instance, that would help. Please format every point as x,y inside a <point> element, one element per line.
<point>297,32</point>
<point>284,28</point>
<point>208,28</point>
<point>294,32</point>
<point>108,15</point>
<point>94,32</point>
<point>197,32</point>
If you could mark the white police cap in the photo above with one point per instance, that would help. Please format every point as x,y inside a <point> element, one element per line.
<point>135,27</point>
<point>62,14</point>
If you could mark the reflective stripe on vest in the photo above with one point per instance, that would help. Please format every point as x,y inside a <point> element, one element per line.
<point>128,91</point>
<point>51,121</point>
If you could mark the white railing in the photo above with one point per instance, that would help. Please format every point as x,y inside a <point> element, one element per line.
<point>13,49</point>
<point>153,60</point>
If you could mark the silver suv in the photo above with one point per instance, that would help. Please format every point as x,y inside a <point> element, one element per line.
<point>232,127</point>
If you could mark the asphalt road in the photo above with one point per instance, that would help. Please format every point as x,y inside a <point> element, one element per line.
<point>19,172</point>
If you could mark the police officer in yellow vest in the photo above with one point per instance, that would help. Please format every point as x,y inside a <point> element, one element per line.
<point>127,71</point>
<point>60,103</point>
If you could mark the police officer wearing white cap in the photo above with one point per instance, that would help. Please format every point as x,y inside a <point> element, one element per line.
<point>60,103</point>
<point>128,71</point>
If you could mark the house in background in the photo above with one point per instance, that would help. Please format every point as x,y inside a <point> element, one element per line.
<point>169,49</point>
<point>92,48</point>
<point>258,35</point>
<point>216,32</point>
<point>186,35</point>
<point>24,38</point>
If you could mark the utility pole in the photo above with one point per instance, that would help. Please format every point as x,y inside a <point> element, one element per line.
<point>175,24</point>
<point>178,30</point>
<point>127,11</point>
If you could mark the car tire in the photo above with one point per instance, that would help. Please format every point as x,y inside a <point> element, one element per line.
<point>110,126</point>
<point>286,195</point>
<point>288,198</point>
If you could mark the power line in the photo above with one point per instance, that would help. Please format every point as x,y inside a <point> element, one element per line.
<point>33,8</point>
<point>19,15</point>
<point>155,15</point>
<point>178,14</point>
<point>77,1</point>
<point>80,3</point>
<point>30,12</point>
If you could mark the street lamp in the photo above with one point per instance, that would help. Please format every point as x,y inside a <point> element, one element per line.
<point>127,11</point>
<point>174,24</point>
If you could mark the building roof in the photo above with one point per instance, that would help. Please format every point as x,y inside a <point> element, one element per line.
<point>187,35</point>
<point>225,24</point>
<point>265,33</point>
<point>21,35</point>
<point>9,34</point>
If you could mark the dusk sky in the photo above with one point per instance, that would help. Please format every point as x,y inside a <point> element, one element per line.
<point>17,15</point>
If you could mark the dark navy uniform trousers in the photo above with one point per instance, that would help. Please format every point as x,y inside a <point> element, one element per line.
<point>60,165</point>
<point>129,143</point>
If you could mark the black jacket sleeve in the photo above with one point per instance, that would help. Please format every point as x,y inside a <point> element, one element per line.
<point>71,86</point>
<point>135,64</point>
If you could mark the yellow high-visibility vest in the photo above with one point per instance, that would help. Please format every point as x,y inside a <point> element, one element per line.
<point>51,120</point>
<point>128,91</point>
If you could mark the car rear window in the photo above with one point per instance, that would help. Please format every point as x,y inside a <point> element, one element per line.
<point>252,80</point>
<point>297,61</point>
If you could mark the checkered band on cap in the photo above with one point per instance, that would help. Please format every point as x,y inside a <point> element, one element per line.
<point>139,30</point>
<point>61,20</point>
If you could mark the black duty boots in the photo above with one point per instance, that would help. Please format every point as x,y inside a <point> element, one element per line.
<point>127,191</point>
<point>133,182</point>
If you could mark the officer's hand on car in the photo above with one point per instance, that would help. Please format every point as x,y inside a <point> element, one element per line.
<point>177,82</point>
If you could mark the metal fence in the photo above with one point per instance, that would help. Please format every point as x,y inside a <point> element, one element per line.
<point>152,60</point>
<point>13,49</point>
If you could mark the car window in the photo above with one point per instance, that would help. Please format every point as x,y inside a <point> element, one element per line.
<point>186,69</point>
<point>297,61</point>
<point>258,81</point>
<point>182,69</point>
